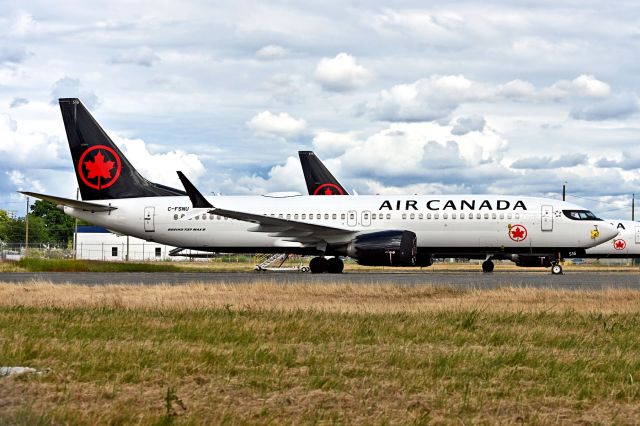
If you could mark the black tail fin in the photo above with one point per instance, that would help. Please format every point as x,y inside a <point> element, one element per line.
<point>319,179</point>
<point>102,170</point>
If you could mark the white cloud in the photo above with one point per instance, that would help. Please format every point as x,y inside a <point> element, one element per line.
<point>142,56</point>
<point>584,85</point>
<point>279,125</point>
<point>286,177</point>
<point>68,87</point>
<point>272,51</point>
<point>341,73</point>
<point>161,167</point>
<point>22,183</point>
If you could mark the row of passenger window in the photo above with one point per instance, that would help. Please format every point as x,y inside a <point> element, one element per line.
<point>374,216</point>
<point>428,216</point>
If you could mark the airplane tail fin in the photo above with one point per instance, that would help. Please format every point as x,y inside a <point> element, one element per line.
<point>103,172</point>
<point>319,179</point>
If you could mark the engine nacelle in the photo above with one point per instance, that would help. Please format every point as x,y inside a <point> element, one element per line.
<point>531,260</point>
<point>384,248</point>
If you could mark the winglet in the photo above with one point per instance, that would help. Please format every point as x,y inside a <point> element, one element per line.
<point>197,199</point>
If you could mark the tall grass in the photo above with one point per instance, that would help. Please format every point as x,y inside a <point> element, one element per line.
<point>319,354</point>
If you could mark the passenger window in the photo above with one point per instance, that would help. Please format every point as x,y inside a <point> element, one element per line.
<point>445,215</point>
<point>478,215</point>
<point>343,216</point>
<point>461,215</point>
<point>304,215</point>
<point>508,215</point>
<point>428,215</point>
<point>501,215</point>
<point>412,216</point>
<point>493,215</point>
<point>517,215</point>
<point>295,216</point>
<point>470,215</point>
<point>280,215</point>
<point>373,216</point>
<point>326,216</point>
<point>486,215</point>
<point>453,215</point>
<point>334,216</point>
<point>419,215</point>
<point>436,216</point>
<point>288,216</point>
<point>404,215</point>
<point>175,216</point>
<point>197,218</point>
<point>272,215</point>
<point>388,216</point>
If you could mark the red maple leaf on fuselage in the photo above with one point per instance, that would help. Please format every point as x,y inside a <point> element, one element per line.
<point>98,168</point>
<point>517,233</point>
<point>620,244</point>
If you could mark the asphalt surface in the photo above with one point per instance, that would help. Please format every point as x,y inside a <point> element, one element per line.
<point>570,280</point>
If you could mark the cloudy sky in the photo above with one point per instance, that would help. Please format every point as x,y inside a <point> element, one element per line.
<point>452,97</point>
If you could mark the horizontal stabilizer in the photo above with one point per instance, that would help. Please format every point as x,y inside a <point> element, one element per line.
<point>76,204</point>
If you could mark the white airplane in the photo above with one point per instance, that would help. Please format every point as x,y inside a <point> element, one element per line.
<point>626,245</point>
<point>374,230</point>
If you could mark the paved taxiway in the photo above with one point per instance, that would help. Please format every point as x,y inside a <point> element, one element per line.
<point>570,280</point>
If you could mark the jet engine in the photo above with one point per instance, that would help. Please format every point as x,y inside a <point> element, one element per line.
<point>384,248</point>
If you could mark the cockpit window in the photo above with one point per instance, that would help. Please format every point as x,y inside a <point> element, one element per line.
<point>580,215</point>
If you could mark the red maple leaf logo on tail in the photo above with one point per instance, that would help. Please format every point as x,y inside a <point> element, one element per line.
<point>98,168</point>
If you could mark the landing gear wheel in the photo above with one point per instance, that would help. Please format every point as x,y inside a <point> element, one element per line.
<point>335,265</point>
<point>556,269</point>
<point>487,266</point>
<point>318,265</point>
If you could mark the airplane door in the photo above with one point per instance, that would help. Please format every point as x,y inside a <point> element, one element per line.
<point>637,234</point>
<point>352,218</point>
<point>366,218</point>
<point>149,215</point>
<point>547,218</point>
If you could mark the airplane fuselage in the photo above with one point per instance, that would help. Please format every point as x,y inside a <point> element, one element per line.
<point>446,224</point>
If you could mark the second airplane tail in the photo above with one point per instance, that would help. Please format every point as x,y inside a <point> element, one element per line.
<point>102,170</point>
<point>319,179</point>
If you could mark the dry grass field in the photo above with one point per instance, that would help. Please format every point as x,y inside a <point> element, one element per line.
<point>325,353</point>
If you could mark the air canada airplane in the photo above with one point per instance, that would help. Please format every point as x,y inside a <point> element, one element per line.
<point>625,245</point>
<point>374,230</point>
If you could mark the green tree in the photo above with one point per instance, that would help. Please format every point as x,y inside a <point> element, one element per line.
<point>15,231</point>
<point>59,226</point>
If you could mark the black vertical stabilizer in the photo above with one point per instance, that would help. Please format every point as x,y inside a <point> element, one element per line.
<point>102,170</point>
<point>319,179</point>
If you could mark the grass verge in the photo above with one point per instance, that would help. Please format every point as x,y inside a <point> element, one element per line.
<point>331,353</point>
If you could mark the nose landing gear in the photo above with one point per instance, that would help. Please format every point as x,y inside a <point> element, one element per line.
<point>320,265</point>
<point>556,269</point>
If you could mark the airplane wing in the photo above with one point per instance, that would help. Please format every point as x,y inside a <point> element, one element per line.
<point>76,204</point>
<point>290,230</point>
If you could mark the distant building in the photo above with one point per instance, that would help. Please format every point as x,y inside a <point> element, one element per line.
<point>97,243</point>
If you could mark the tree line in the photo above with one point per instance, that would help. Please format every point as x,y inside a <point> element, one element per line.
<point>47,224</point>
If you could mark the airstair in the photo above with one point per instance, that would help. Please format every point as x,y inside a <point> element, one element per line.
<point>275,262</point>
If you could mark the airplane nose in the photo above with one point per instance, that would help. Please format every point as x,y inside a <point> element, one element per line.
<point>606,232</point>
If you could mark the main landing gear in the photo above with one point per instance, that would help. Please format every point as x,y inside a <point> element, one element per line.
<point>319,265</point>
<point>487,266</point>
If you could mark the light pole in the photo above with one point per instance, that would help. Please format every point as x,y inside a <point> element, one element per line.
<point>26,231</point>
